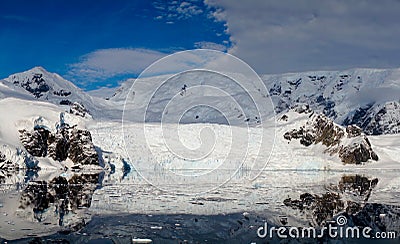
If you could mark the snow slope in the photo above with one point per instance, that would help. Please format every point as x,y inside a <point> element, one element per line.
<point>38,84</point>
<point>340,94</point>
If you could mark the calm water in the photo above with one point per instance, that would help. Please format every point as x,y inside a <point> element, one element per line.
<point>109,207</point>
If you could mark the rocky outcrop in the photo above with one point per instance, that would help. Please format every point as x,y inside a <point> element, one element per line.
<point>319,129</point>
<point>35,142</point>
<point>81,149</point>
<point>350,144</point>
<point>78,109</point>
<point>67,142</point>
<point>353,131</point>
<point>357,152</point>
<point>59,144</point>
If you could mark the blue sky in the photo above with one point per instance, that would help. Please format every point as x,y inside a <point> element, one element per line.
<point>62,35</point>
<point>97,43</point>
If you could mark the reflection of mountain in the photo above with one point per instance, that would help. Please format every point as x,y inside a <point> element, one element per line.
<point>63,196</point>
<point>349,198</point>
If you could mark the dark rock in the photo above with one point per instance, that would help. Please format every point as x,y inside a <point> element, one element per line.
<point>357,153</point>
<point>35,142</point>
<point>284,118</point>
<point>81,148</point>
<point>6,164</point>
<point>66,142</point>
<point>62,93</point>
<point>35,85</point>
<point>321,129</point>
<point>377,119</point>
<point>58,145</point>
<point>353,131</point>
<point>65,102</point>
<point>78,109</point>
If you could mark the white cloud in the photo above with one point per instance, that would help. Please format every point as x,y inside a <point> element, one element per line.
<point>106,63</point>
<point>210,45</point>
<point>281,36</point>
<point>174,9</point>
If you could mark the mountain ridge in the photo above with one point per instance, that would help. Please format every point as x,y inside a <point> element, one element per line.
<point>366,97</point>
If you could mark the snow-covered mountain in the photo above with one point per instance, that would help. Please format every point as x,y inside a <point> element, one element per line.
<point>38,84</point>
<point>368,98</point>
<point>45,86</point>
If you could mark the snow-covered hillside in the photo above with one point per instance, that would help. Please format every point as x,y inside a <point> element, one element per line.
<point>37,84</point>
<point>367,97</point>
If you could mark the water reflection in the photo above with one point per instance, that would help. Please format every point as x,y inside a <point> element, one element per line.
<point>65,195</point>
<point>40,203</point>
<point>349,197</point>
<point>35,203</point>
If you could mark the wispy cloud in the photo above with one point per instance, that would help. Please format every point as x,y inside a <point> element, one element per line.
<point>106,63</point>
<point>177,10</point>
<point>210,45</point>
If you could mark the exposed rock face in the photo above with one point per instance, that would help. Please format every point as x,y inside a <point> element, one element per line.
<point>377,119</point>
<point>78,109</point>
<point>35,141</point>
<point>81,149</point>
<point>357,152</point>
<point>50,87</point>
<point>58,144</point>
<point>66,142</point>
<point>318,129</point>
<point>353,131</point>
<point>321,129</point>
<point>334,93</point>
<point>35,85</point>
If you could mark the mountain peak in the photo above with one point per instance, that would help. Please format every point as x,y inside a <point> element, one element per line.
<point>44,85</point>
<point>38,69</point>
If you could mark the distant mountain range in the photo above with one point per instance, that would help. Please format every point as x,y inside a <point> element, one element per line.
<point>369,98</point>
